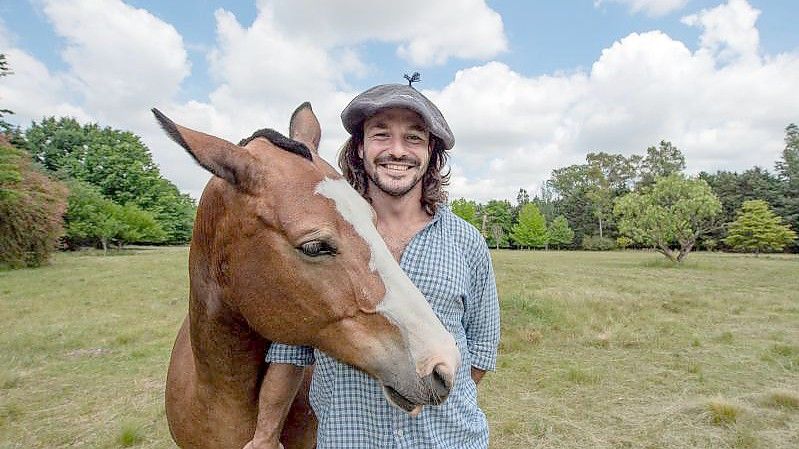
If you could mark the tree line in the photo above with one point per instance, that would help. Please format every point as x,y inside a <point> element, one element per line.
<point>617,201</point>
<point>63,183</point>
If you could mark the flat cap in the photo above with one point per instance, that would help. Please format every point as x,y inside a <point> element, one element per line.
<point>386,96</point>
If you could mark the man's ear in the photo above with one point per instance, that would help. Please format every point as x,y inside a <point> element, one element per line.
<point>220,157</point>
<point>304,127</point>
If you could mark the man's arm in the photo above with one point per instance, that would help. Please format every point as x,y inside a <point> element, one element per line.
<point>279,387</point>
<point>481,316</point>
<point>477,375</point>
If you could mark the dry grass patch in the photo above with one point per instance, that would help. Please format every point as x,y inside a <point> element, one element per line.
<point>782,399</point>
<point>722,412</point>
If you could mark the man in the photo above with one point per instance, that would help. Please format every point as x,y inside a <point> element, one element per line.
<point>395,155</point>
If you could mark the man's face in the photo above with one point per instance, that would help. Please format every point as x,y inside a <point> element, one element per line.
<point>395,150</point>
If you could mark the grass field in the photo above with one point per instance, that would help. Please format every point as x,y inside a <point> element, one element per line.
<point>599,350</point>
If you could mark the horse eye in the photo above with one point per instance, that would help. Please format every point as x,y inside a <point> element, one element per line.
<point>316,248</point>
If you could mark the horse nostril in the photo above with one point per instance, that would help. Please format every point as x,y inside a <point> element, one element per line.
<point>439,386</point>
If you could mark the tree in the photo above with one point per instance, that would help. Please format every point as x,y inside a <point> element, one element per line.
<point>559,232</point>
<point>93,219</point>
<point>138,226</point>
<point>758,229</point>
<point>496,222</point>
<point>587,190</point>
<point>733,189</point>
<point>661,161</point>
<point>118,164</point>
<point>675,211</point>
<point>788,173</point>
<point>546,202</point>
<point>522,197</point>
<point>531,229</point>
<point>31,207</point>
<point>4,71</point>
<point>467,210</point>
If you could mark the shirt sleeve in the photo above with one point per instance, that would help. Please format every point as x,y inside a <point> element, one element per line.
<point>288,354</point>
<point>481,318</point>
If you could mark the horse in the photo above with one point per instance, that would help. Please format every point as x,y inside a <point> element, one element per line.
<point>284,249</point>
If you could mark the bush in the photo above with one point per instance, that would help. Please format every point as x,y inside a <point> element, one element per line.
<point>624,242</point>
<point>31,209</point>
<point>597,243</point>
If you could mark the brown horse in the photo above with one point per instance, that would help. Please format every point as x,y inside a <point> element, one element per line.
<point>285,250</point>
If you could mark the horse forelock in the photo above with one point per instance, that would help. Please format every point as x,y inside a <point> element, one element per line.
<point>281,141</point>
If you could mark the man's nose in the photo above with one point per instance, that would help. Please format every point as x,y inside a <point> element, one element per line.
<point>397,147</point>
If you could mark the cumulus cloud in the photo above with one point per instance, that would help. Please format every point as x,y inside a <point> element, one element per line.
<point>121,61</point>
<point>653,8</point>
<point>725,104</point>
<point>729,31</point>
<point>32,88</point>
<point>425,32</point>
<point>121,58</point>
<point>723,112</point>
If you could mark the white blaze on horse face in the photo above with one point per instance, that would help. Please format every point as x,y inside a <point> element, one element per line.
<point>430,343</point>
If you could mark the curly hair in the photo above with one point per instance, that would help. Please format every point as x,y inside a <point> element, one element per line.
<point>433,181</point>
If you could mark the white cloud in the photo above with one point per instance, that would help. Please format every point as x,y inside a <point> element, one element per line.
<point>32,90</point>
<point>653,8</point>
<point>121,59</point>
<point>724,105</point>
<point>729,31</point>
<point>426,32</point>
<point>723,113</point>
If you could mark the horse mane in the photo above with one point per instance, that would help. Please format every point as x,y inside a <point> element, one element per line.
<point>290,145</point>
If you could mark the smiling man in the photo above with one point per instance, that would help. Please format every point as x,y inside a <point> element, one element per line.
<point>395,158</point>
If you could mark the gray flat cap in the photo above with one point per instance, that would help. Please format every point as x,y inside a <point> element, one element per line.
<point>385,96</point>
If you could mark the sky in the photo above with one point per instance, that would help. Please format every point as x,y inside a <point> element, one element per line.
<point>526,86</point>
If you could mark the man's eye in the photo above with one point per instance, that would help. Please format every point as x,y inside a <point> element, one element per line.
<point>316,248</point>
<point>414,138</point>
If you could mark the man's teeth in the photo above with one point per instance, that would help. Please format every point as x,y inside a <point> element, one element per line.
<point>396,167</point>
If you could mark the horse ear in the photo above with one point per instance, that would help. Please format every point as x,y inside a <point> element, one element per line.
<point>220,157</point>
<point>304,127</point>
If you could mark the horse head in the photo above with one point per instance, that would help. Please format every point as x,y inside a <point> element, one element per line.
<point>282,241</point>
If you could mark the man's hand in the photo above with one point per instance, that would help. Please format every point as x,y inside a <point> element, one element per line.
<point>477,375</point>
<point>263,445</point>
<point>279,386</point>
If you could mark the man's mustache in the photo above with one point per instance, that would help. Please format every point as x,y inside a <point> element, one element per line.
<point>404,159</point>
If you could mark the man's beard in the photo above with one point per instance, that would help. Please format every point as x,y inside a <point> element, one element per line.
<point>386,186</point>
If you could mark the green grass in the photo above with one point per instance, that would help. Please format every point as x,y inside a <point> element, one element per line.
<point>601,350</point>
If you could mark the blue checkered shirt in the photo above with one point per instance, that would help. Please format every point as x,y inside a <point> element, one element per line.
<point>448,261</point>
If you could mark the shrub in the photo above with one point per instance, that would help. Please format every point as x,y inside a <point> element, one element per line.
<point>31,209</point>
<point>623,242</point>
<point>597,243</point>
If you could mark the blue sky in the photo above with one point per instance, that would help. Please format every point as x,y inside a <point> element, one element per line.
<point>535,86</point>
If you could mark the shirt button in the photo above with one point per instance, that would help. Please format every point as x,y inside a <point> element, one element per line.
<point>399,433</point>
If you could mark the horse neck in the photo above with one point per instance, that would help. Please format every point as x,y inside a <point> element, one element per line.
<point>224,346</point>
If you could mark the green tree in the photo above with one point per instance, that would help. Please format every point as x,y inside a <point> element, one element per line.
<point>758,229</point>
<point>531,229</point>
<point>733,189</point>
<point>661,161</point>
<point>496,221</point>
<point>587,191</point>
<point>4,71</point>
<point>31,209</point>
<point>118,164</point>
<point>467,210</point>
<point>559,232</point>
<point>92,219</point>
<point>788,173</point>
<point>138,226</point>
<point>670,215</point>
